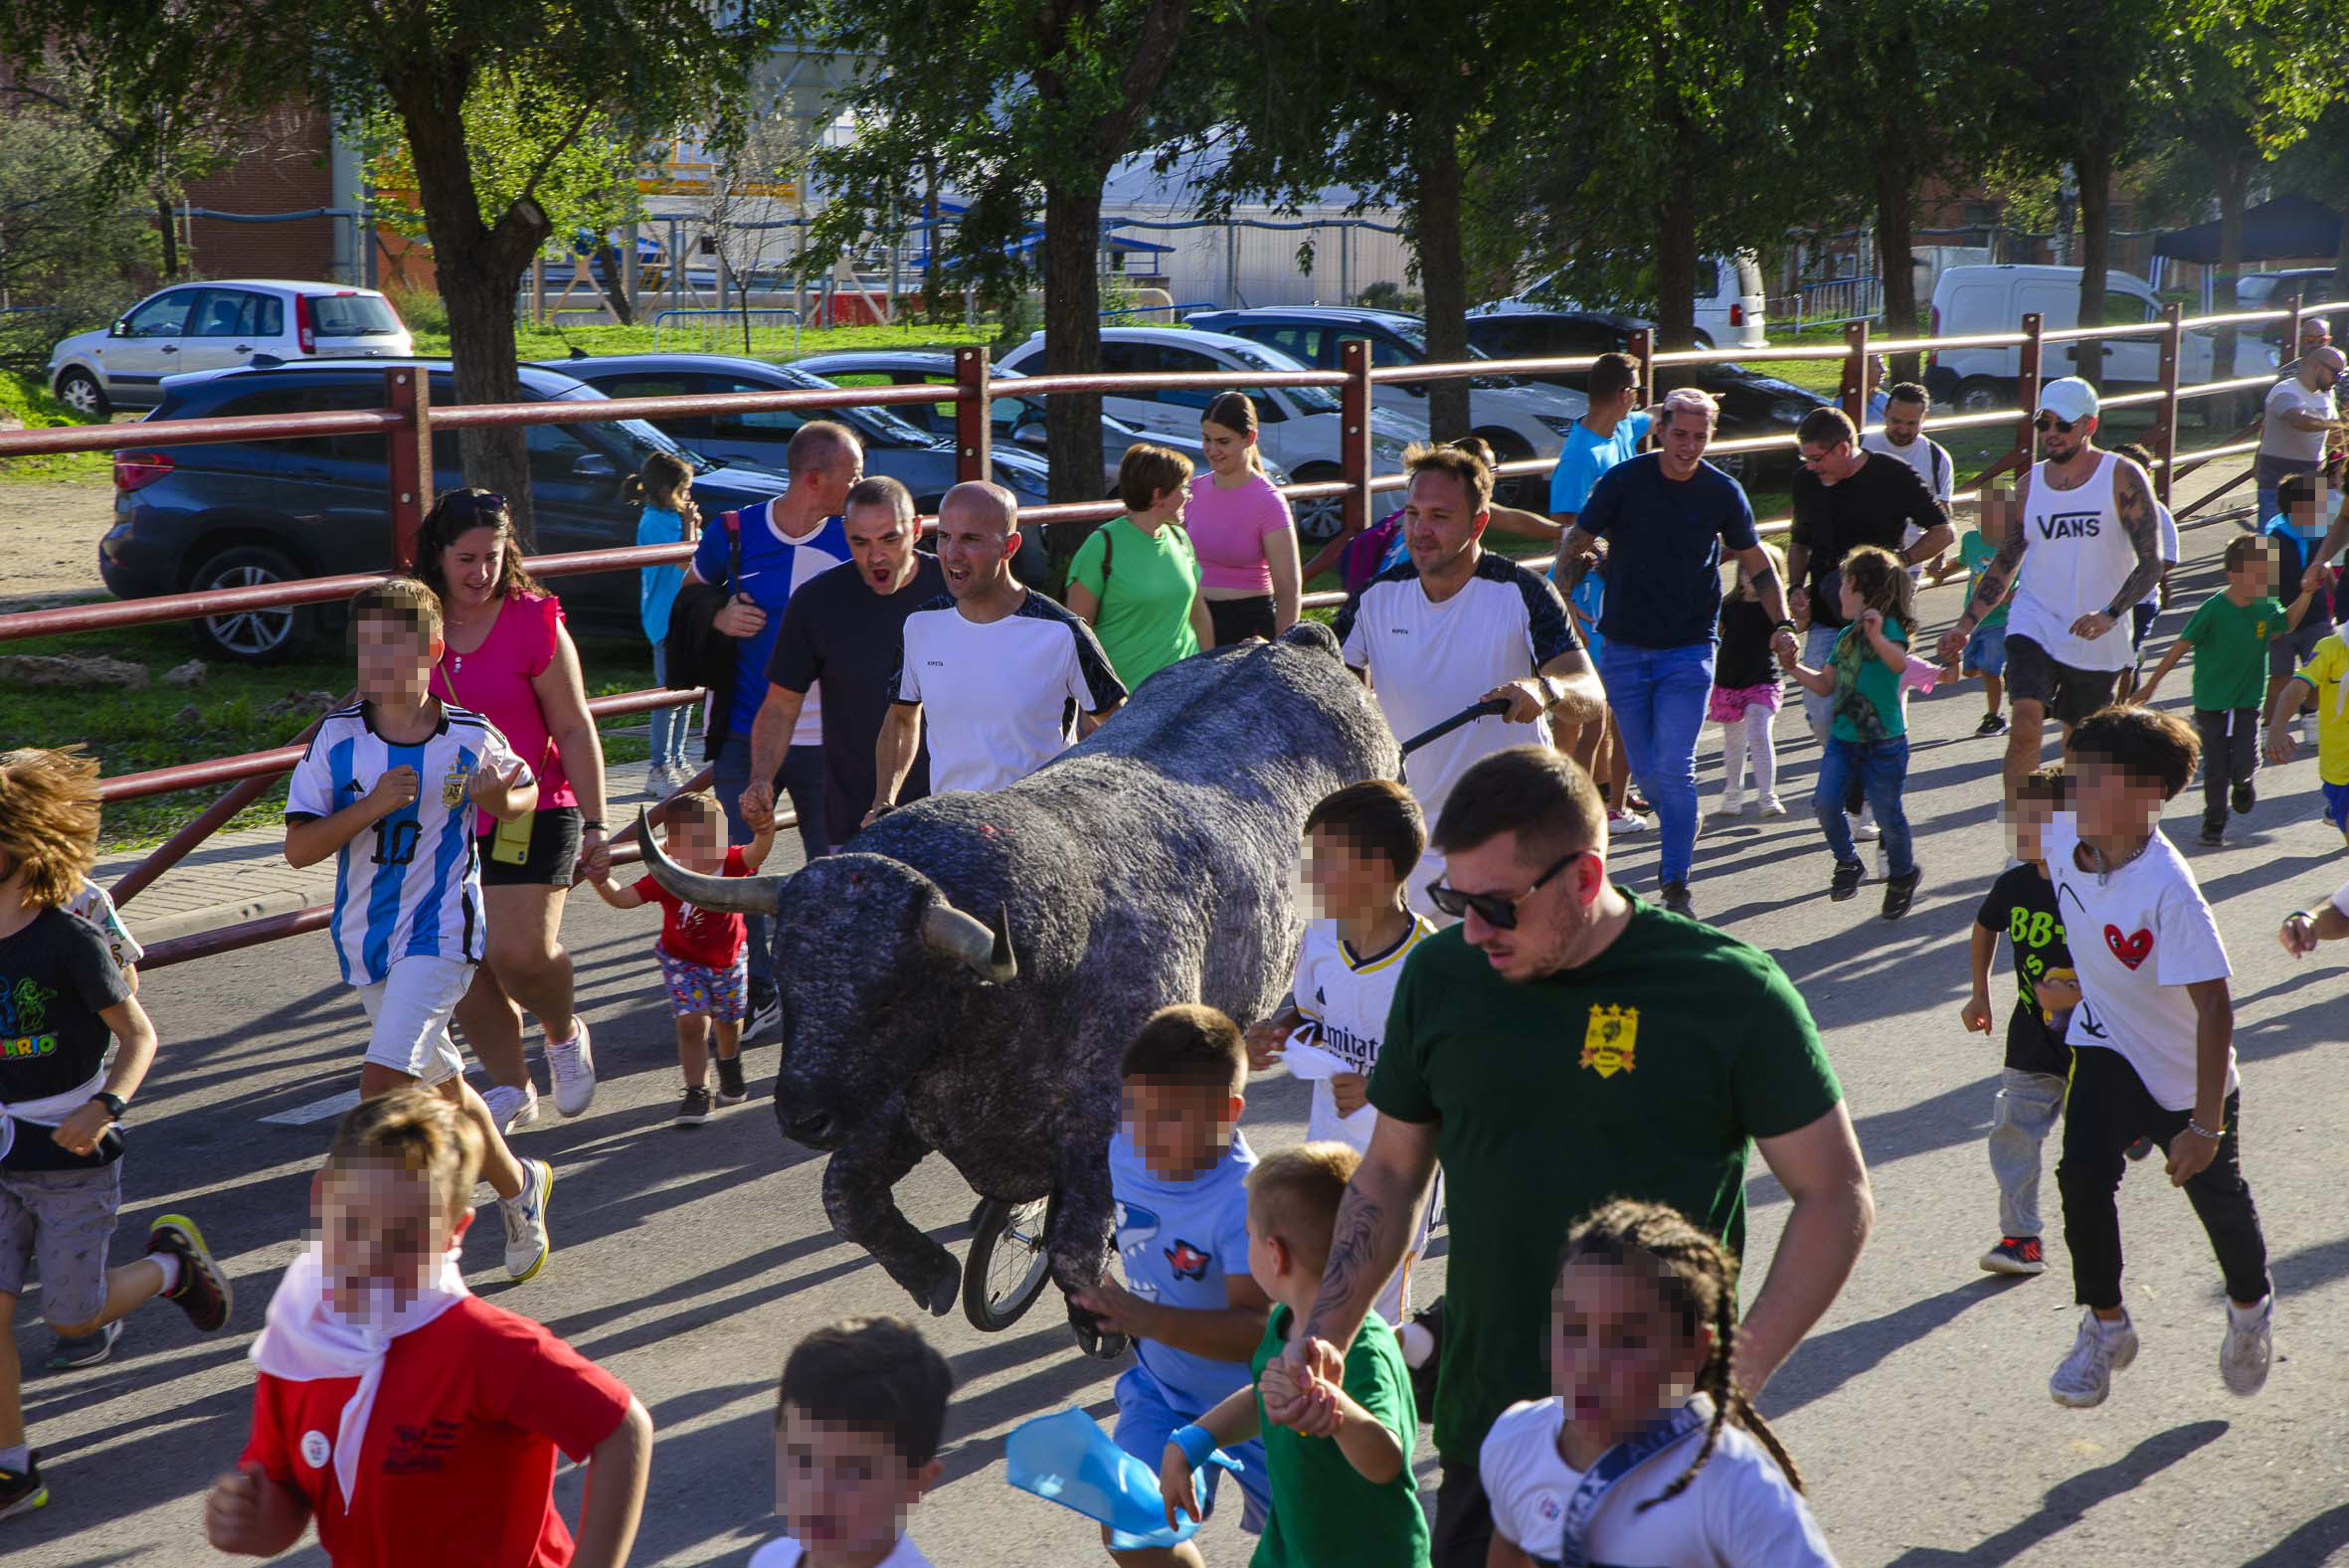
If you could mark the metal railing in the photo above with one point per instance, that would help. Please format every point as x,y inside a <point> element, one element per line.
<point>713,326</point>
<point>409,420</point>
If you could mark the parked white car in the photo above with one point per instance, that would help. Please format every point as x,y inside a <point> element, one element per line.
<point>1969,301</point>
<point>219,326</point>
<point>1297,427</point>
<point>1729,301</point>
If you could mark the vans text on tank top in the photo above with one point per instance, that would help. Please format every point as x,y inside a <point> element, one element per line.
<point>2076,557</point>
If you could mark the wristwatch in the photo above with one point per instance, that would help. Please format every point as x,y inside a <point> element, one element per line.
<point>112,1103</point>
<point>593,827</point>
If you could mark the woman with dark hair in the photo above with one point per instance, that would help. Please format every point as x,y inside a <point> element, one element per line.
<point>508,658</point>
<point>1239,523</point>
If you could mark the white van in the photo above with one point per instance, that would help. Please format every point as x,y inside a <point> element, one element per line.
<point>1729,301</point>
<point>1969,301</point>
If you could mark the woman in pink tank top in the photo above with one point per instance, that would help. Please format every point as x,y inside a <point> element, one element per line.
<point>1240,524</point>
<point>509,658</point>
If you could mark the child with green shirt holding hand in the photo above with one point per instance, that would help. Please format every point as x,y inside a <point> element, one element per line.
<point>2229,635</point>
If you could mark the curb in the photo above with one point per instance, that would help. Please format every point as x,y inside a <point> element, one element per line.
<point>194,921</point>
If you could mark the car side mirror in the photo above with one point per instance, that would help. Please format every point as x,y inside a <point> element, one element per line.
<point>121,328</point>
<point>1032,434</point>
<point>592,466</point>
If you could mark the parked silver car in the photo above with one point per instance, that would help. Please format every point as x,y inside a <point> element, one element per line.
<point>219,326</point>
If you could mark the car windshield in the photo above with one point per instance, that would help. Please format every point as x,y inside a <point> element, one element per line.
<point>352,315</point>
<point>877,419</point>
<point>1308,400</point>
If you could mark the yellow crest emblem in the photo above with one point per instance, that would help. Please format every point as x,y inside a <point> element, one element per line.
<point>1608,1044</point>
<point>453,786</point>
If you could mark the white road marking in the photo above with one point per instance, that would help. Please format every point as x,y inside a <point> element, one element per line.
<point>315,1111</point>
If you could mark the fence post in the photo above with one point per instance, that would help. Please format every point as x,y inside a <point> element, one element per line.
<point>2290,351</point>
<point>1857,373</point>
<point>1353,440</point>
<point>1642,347</point>
<point>2165,428</point>
<point>409,473</point>
<point>2027,391</point>
<point>974,431</point>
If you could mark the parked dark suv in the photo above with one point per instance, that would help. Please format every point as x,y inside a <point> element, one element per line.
<point>238,514</point>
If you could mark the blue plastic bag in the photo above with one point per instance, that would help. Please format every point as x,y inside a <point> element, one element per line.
<point>1067,1458</point>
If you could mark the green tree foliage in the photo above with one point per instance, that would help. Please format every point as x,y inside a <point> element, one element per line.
<point>72,255</point>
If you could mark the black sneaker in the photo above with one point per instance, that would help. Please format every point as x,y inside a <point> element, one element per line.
<point>85,1349</point>
<point>1901,892</point>
<point>1677,900</point>
<point>22,1493</point>
<point>765,1011</point>
<point>694,1109</point>
<point>2213,833</point>
<point>1991,723</point>
<point>2243,797</point>
<point>730,1086</point>
<point>2141,1149</point>
<point>202,1292</point>
<point>1849,874</point>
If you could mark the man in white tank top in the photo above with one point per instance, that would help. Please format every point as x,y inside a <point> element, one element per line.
<point>2086,547</point>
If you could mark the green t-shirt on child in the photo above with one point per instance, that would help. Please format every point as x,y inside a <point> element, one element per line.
<point>1974,552</point>
<point>1878,683</point>
<point>1144,622</point>
<point>1323,1510</point>
<point>2230,642</point>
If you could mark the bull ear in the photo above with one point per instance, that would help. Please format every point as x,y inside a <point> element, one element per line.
<point>727,895</point>
<point>986,953</point>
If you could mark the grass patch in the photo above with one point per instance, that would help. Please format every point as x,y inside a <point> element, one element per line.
<point>28,401</point>
<point>239,708</point>
<point>536,342</point>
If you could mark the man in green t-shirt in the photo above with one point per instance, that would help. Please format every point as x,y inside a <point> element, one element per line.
<point>1563,1045</point>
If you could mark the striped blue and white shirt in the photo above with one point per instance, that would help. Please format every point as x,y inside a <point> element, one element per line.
<point>410,885</point>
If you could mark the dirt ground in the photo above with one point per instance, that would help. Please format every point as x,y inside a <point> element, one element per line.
<point>49,539</point>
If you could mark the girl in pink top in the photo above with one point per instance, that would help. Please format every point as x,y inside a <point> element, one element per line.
<point>1240,526</point>
<point>509,658</point>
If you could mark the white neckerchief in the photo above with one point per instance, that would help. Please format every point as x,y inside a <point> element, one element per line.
<point>47,1112</point>
<point>307,1340</point>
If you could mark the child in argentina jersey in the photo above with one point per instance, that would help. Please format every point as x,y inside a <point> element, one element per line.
<point>410,885</point>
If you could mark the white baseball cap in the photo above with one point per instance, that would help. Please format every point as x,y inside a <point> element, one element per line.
<point>2069,399</point>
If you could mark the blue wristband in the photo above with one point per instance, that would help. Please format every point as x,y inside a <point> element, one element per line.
<point>1195,1442</point>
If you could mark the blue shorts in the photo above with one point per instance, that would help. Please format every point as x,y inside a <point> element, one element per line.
<point>1986,651</point>
<point>1147,1418</point>
<point>2336,805</point>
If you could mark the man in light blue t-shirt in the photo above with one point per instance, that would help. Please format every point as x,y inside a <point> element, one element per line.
<point>1607,433</point>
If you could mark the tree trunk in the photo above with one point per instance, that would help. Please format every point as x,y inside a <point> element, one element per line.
<point>1443,266</point>
<point>1072,346</point>
<point>2096,250</point>
<point>929,310</point>
<point>479,267</point>
<point>168,221</point>
<point>1676,241</point>
<point>2234,181</point>
<point>1896,216</point>
<point>614,283</point>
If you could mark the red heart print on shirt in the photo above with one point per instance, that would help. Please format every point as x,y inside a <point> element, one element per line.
<point>2132,949</point>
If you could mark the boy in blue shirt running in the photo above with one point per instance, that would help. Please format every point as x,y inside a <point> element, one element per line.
<point>1179,1170</point>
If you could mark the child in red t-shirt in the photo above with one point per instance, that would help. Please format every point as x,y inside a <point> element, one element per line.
<point>417,1423</point>
<point>704,956</point>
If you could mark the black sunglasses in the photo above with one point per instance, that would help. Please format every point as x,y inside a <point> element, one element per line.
<point>1494,910</point>
<point>2047,422</point>
<point>476,501</point>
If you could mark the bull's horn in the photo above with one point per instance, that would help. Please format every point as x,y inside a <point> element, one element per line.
<point>726,895</point>
<point>988,953</point>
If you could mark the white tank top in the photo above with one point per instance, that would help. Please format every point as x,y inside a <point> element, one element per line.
<point>2076,557</point>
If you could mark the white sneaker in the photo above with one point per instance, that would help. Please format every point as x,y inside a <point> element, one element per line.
<point>509,1106</point>
<point>1622,822</point>
<point>2086,1375</point>
<point>526,1243</point>
<point>1730,806</point>
<point>1864,827</point>
<point>2244,1353</point>
<point>1773,806</point>
<point>573,1066</point>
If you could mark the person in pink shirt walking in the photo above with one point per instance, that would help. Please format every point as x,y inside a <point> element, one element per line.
<point>1240,524</point>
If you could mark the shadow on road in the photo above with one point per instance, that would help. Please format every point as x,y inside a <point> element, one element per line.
<point>1825,1362</point>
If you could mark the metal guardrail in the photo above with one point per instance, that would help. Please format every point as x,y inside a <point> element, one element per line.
<point>713,324</point>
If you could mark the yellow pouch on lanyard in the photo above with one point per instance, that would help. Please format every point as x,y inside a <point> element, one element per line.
<point>511,846</point>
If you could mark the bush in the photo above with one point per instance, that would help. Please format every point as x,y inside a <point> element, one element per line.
<point>74,254</point>
<point>1388,295</point>
<point>420,308</point>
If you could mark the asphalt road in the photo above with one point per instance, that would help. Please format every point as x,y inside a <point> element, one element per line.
<point>688,1261</point>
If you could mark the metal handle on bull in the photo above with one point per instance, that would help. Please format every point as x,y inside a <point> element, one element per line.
<point>1490,707</point>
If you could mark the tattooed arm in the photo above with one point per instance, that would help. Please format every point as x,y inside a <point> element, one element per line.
<point>2133,499</point>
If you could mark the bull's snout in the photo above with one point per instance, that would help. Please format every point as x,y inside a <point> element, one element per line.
<point>811,1129</point>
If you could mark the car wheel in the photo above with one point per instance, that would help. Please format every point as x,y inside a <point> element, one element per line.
<point>1735,464</point>
<point>1980,395</point>
<point>1704,342</point>
<point>1319,519</point>
<point>250,636</point>
<point>1527,493</point>
<point>78,390</point>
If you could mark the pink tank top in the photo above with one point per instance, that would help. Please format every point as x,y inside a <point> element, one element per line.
<point>494,681</point>
<point>1227,529</point>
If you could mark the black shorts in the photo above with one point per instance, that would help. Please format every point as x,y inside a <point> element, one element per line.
<point>1234,618</point>
<point>1463,1532</point>
<point>553,856</point>
<point>2141,618</point>
<point>2288,653</point>
<point>2068,695</point>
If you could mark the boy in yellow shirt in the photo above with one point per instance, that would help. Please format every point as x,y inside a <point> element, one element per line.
<point>2327,675</point>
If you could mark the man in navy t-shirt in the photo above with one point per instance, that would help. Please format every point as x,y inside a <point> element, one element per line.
<point>786,543</point>
<point>1667,517</point>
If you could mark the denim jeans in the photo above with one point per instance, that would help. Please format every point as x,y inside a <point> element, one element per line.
<point>2028,1105</point>
<point>1818,711</point>
<point>802,781</point>
<point>1881,767</point>
<point>668,724</point>
<point>1659,696</point>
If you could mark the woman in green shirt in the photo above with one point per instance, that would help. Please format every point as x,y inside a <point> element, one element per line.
<point>1136,579</point>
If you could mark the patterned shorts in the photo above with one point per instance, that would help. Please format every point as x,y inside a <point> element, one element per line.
<point>1728,705</point>
<point>55,1225</point>
<point>696,988</point>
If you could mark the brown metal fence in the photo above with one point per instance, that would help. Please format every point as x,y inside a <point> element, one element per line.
<point>408,419</point>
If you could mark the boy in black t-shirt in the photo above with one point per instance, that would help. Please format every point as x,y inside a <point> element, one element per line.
<point>2038,1070</point>
<point>61,998</point>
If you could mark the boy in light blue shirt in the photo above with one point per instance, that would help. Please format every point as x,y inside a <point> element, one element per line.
<point>1178,1170</point>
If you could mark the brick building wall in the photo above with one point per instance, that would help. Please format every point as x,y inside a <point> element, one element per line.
<point>288,170</point>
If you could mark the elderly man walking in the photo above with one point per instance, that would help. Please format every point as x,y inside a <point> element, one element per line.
<point>2300,413</point>
<point>1667,517</point>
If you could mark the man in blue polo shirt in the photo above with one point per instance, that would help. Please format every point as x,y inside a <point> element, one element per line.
<point>1667,517</point>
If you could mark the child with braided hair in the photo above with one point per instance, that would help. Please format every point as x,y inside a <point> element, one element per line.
<point>1643,1348</point>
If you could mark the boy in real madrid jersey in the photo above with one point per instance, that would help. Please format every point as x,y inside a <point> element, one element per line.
<point>385,787</point>
<point>1361,844</point>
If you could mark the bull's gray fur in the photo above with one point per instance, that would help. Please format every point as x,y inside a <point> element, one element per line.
<point>1151,864</point>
